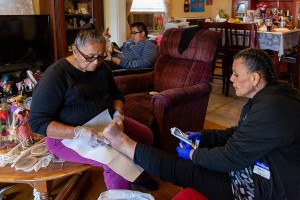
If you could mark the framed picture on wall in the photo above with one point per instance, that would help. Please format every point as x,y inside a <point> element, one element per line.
<point>158,22</point>
<point>197,5</point>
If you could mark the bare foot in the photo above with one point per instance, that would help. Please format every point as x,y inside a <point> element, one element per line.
<point>119,140</point>
<point>114,134</point>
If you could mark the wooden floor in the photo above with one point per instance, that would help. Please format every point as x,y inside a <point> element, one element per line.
<point>222,112</point>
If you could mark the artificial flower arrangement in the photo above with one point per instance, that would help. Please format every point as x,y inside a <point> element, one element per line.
<point>277,16</point>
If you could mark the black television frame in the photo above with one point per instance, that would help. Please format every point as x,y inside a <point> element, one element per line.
<point>24,22</point>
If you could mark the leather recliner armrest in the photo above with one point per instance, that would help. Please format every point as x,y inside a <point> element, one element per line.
<point>123,72</point>
<point>135,83</point>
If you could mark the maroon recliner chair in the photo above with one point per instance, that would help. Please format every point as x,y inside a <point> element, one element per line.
<point>176,93</point>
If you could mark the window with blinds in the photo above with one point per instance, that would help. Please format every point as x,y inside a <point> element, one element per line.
<point>148,6</point>
<point>145,11</point>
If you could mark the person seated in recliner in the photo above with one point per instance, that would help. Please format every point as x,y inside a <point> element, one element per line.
<point>137,52</point>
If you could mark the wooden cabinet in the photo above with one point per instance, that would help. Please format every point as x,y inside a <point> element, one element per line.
<point>297,15</point>
<point>66,17</point>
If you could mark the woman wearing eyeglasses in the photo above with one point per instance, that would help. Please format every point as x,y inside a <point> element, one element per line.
<point>74,90</point>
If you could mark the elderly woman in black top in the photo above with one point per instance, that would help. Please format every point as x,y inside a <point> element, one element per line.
<point>74,90</point>
<point>257,159</point>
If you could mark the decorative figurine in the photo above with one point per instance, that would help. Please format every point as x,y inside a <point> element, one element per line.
<point>20,126</point>
<point>81,23</point>
<point>75,22</point>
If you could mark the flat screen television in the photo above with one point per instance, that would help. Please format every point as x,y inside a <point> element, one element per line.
<point>24,39</point>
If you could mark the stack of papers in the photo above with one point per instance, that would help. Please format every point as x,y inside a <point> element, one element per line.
<point>105,154</point>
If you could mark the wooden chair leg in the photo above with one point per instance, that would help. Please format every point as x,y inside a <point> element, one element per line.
<point>223,80</point>
<point>43,187</point>
<point>295,75</point>
<point>227,71</point>
<point>227,86</point>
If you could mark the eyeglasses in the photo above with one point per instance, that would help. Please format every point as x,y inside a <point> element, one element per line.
<point>134,33</point>
<point>92,58</point>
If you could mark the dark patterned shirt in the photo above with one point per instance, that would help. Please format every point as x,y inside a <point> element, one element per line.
<point>242,184</point>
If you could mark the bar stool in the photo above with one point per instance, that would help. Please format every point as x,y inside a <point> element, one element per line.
<point>238,38</point>
<point>219,64</point>
<point>293,62</point>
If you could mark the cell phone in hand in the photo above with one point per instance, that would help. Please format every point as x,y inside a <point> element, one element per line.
<point>116,46</point>
<point>184,137</point>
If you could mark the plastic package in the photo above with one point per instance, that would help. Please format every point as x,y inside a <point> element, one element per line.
<point>124,194</point>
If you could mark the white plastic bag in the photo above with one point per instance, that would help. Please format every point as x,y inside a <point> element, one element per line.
<point>124,195</point>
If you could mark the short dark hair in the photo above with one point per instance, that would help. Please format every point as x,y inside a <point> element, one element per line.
<point>88,33</point>
<point>140,26</point>
<point>259,61</point>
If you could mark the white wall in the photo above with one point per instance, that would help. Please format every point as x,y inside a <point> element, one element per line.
<point>221,4</point>
<point>116,20</point>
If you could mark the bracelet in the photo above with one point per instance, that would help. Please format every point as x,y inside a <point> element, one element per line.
<point>75,132</point>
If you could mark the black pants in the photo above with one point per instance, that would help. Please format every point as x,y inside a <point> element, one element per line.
<point>210,183</point>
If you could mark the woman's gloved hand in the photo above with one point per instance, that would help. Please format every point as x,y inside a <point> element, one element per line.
<point>184,150</point>
<point>194,136</point>
<point>88,135</point>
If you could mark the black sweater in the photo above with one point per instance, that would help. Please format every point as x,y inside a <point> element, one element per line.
<point>70,96</point>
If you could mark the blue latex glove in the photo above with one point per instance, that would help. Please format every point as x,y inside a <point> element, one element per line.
<point>194,136</point>
<point>184,150</point>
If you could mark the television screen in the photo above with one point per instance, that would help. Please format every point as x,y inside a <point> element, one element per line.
<point>24,39</point>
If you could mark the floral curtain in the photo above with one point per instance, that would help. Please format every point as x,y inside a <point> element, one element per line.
<point>16,7</point>
<point>167,6</point>
<point>128,7</point>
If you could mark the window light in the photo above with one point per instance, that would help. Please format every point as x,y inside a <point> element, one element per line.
<point>148,6</point>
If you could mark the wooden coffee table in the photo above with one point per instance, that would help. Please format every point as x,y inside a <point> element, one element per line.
<point>43,179</point>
